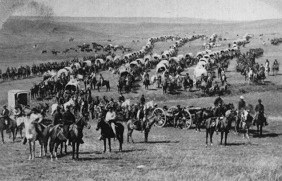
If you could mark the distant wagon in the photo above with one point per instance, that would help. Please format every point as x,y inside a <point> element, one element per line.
<point>72,86</point>
<point>18,97</point>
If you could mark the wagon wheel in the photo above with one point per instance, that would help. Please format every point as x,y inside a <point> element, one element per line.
<point>172,111</point>
<point>161,117</point>
<point>189,120</point>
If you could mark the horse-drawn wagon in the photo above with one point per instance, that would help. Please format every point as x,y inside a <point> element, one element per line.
<point>18,97</point>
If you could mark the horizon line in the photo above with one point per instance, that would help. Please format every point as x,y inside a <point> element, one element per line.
<point>201,19</point>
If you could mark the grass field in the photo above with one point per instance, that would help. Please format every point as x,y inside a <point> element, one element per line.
<point>171,154</point>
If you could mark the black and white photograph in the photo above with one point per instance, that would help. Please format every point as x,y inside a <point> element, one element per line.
<point>160,90</point>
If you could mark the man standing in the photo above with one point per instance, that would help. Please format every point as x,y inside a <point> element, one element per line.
<point>142,100</point>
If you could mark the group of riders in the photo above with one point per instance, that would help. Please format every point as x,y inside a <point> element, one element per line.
<point>242,106</point>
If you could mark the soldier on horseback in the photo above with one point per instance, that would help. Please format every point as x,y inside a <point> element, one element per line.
<point>58,117</point>
<point>260,112</point>
<point>68,120</point>
<point>6,113</point>
<point>218,111</point>
<point>241,107</point>
<point>101,79</point>
<point>111,118</point>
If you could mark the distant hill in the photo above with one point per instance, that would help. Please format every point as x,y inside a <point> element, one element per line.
<point>20,25</point>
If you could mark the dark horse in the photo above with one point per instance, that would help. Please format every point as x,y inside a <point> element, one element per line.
<point>104,83</point>
<point>57,138</point>
<point>143,126</point>
<point>3,126</point>
<point>107,132</point>
<point>259,121</point>
<point>225,124</point>
<point>76,134</point>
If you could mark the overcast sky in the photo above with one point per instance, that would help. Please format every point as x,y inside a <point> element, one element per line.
<point>207,9</point>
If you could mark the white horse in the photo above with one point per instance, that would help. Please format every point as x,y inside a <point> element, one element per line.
<point>246,121</point>
<point>54,106</point>
<point>126,103</point>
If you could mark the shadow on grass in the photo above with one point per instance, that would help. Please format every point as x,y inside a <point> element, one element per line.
<point>129,151</point>
<point>97,158</point>
<point>235,144</point>
<point>265,134</point>
<point>158,142</point>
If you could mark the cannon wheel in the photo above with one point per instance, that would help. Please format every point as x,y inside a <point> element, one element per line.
<point>159,113</point>
<point>172,110</point>
<point>189,120</point>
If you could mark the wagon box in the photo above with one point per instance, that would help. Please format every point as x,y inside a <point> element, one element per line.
<point>17,97</point>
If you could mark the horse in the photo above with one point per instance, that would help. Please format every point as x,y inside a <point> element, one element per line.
<point>259,122</point>
<point>143,126</point>
<point>13,128</point>
<point>56,137</point>
<point>76,134</point>
<point>210,125</point>
<point>35,131</point>
<point>246,121</point>
<point>104,83</point>
<point>107,133</point>
<point>225,124</point>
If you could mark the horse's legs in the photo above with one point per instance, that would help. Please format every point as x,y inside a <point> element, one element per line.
<point>77,150</point>
<point>66,148</point>
<point>226,133</point>
<point>14,133</point>
<point>41,150</point>
<point>221,137</point>
<point>33,149</point>
<point>129,135</point>
<point>207,135</point>
<point>260,130</point>
<point>30,150</point>
<point>2,136</point>
<point>62,146</point>
<point>211,134</point>
<point>109,140</point>
<point>146,133</point>
<point>73,149</point>
<point>104,145</point>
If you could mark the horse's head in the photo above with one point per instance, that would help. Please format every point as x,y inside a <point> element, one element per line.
<point>84,121</point>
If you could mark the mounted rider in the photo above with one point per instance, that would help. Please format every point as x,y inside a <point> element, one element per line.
<point>68,119</point>
<point>259,109</point>
<point>17,112</point>
<point>111,119</point>
<point>5,114</point>
<point>241,107</point>
<point>58,116</point>
<point>101,80</point>
<point>218,111</point>
<point>178,113</point>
